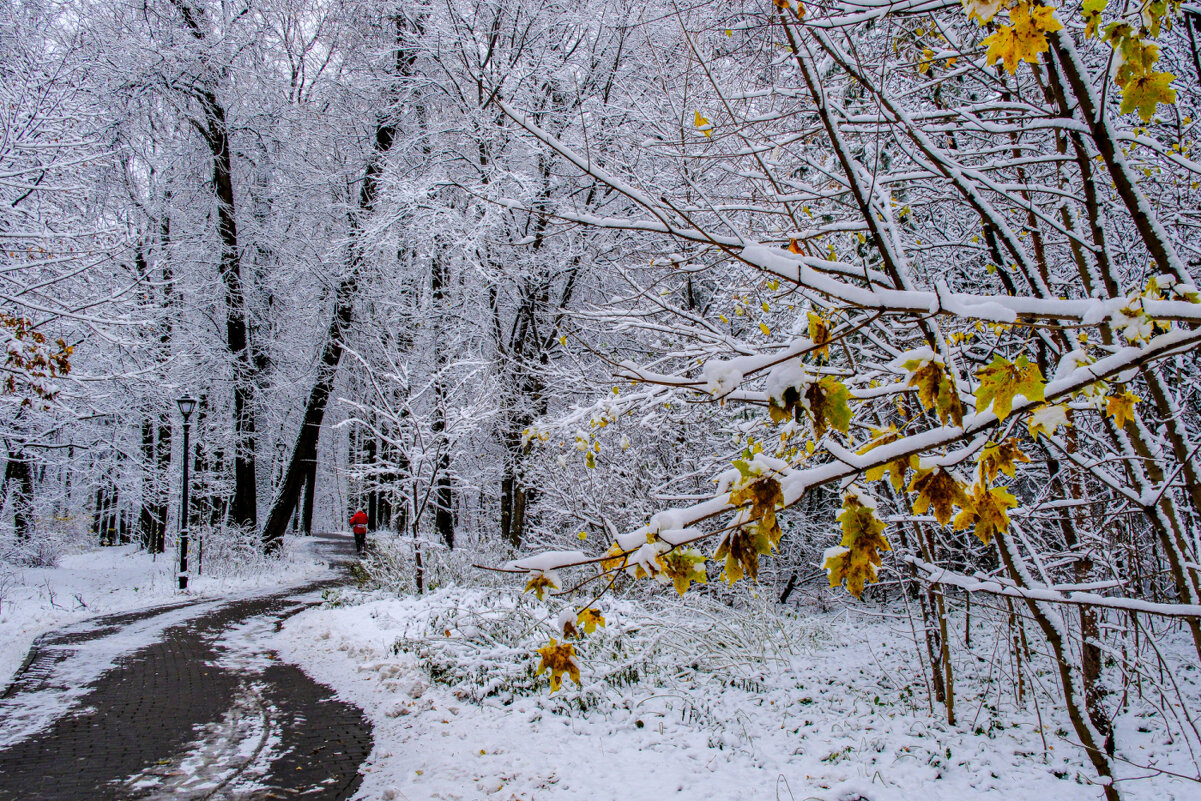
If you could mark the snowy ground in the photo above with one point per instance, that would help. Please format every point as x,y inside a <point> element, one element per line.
<point>689,699</point>
<point>34,600</point>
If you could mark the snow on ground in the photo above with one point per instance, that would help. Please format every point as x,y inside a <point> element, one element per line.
<point>34,600</point>
<point>692,699</point>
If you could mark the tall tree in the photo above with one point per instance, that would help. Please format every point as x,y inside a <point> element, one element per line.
<point>304,451</point>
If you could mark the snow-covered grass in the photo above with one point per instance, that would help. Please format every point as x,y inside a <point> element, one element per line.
<point>94,581</point>
<point>696,699</point>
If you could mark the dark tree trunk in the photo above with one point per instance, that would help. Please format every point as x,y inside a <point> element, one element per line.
<point>162,501</point>
<point>245,502</point>
<point>331,352</point>
<point>444,513</point>
<point>506,507</point>
<point>444,521</point>
<point>124,529</point>
<point>147,523</point>
<point>310,486</point>
<point>372,483</point>
<point>215,131</point>
<point>18,479</point>
<point>386,486</point>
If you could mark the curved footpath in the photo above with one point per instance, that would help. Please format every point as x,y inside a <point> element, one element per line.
<point>183,702</point>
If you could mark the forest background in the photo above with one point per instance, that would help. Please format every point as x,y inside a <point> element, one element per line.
<point>901,294</point>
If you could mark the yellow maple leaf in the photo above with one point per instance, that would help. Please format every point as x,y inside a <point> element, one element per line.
<point>1001,458</point>
<point>819,332</point>
<point>936,390</point>
<point>590,619</point>
<point>758,535</point>
<point>1121,407</point>
<point>938,491</point>
<point>558,659</point>
<point>1146,91</point>
<point>684,566</point>
<point>539,583</point>
<point>927,61</point>
<point>703,125</point>
<point>1091,11</point>
<point>987,512</point>
<point>741,556</point>
<point>1002,380</point>
<point>829,405</point>
<point>617,559</point>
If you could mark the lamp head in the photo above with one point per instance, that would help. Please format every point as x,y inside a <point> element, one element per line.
<point>186,406</point>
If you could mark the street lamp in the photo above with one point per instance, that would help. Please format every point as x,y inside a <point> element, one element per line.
<point>186,406</point>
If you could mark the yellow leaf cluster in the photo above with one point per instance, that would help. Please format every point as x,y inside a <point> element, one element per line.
<point>855,560</point>
<point>827,401</point>
<point>590,619</point>
<point>615,560</point>
<point>1025,38</point>
<point>1142,87</point>
<point>936,390</point>
<point>1091,11</point>
<point>761,533</point>
<point>1001,457</point>
<point>819,332</point>
<point>829,405</point>
<point>684,566</point>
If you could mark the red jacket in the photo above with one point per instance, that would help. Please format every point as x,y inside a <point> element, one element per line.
<point>358,523</point>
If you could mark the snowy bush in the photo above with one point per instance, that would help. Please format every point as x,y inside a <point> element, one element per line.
<point>231,552</point>
<point>391,564</point>
<point>38,551</point>
<point>479,644</point>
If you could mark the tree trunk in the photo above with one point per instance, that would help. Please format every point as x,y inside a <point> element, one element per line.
<point>310,485</point>
<point>444,522</point>
<point>147,524</point>
<point>331,352</point>
<point>215,132</point>
<point>245,500</point>
<point>1053,629</point>
<point>371,485</point>
<point>506,508</point>
<point>19,481</point>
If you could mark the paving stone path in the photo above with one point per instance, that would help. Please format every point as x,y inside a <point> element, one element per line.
<point>197,708</point>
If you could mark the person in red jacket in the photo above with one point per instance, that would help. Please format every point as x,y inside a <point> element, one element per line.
<point>358,524</point>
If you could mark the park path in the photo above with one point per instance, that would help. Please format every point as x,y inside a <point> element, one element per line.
<point>184,701</point>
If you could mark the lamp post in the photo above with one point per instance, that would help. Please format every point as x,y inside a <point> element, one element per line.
<point>186,406</point>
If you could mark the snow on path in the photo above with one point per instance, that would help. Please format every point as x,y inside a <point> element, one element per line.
<point>100,581</point>
<point>78,664</point>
